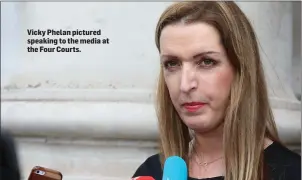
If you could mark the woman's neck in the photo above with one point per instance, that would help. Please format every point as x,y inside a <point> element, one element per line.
<point>209,145</point>
<point>207,156</point>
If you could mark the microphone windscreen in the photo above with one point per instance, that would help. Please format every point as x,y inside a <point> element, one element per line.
<point>143,178</point>
<point>175,168</point>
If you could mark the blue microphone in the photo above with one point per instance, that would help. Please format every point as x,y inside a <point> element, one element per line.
<point>175,168</point>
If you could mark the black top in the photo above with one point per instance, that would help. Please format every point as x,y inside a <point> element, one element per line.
<point>282,164</point>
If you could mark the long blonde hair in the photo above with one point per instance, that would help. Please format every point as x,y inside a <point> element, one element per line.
<point>249,117</point>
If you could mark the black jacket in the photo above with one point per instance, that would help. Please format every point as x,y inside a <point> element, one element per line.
<point>9,167</point>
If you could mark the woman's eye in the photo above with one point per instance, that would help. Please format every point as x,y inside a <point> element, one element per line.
<point>207,62</point>
<point>171,64</point>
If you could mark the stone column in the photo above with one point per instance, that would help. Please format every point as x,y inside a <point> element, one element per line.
<point>296,65</point>
<point>10,45</point>
<point>96,105</point>
<point>273,23</point>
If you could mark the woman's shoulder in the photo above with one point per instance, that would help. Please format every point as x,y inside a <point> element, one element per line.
<point>150,167</point>
<point>282,162</point>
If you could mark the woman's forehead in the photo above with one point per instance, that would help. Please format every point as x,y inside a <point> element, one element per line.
<point>190,40</point>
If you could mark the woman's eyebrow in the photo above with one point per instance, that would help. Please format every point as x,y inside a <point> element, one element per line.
<point>168,56</point>
<point>205,53</point>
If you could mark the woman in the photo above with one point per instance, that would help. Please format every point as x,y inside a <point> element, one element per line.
<point>212,84</point>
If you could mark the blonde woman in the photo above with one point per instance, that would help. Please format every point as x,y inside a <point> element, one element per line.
<point>212,84</point>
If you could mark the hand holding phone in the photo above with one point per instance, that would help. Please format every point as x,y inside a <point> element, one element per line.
<point>42,173</point>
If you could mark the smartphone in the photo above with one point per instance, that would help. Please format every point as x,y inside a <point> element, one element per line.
<point>42,173</point>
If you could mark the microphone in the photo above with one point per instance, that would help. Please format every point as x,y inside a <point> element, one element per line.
<point>143,178</point>
<point>175,168</point>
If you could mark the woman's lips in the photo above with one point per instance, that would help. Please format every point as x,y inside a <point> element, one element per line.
<point>193,106</point>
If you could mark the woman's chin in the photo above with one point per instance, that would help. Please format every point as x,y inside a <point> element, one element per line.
<point>201,124</point>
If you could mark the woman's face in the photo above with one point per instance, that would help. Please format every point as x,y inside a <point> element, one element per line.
<point>197,73</point>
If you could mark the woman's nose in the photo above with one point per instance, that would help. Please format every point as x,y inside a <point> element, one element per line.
<point>188,79</point>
